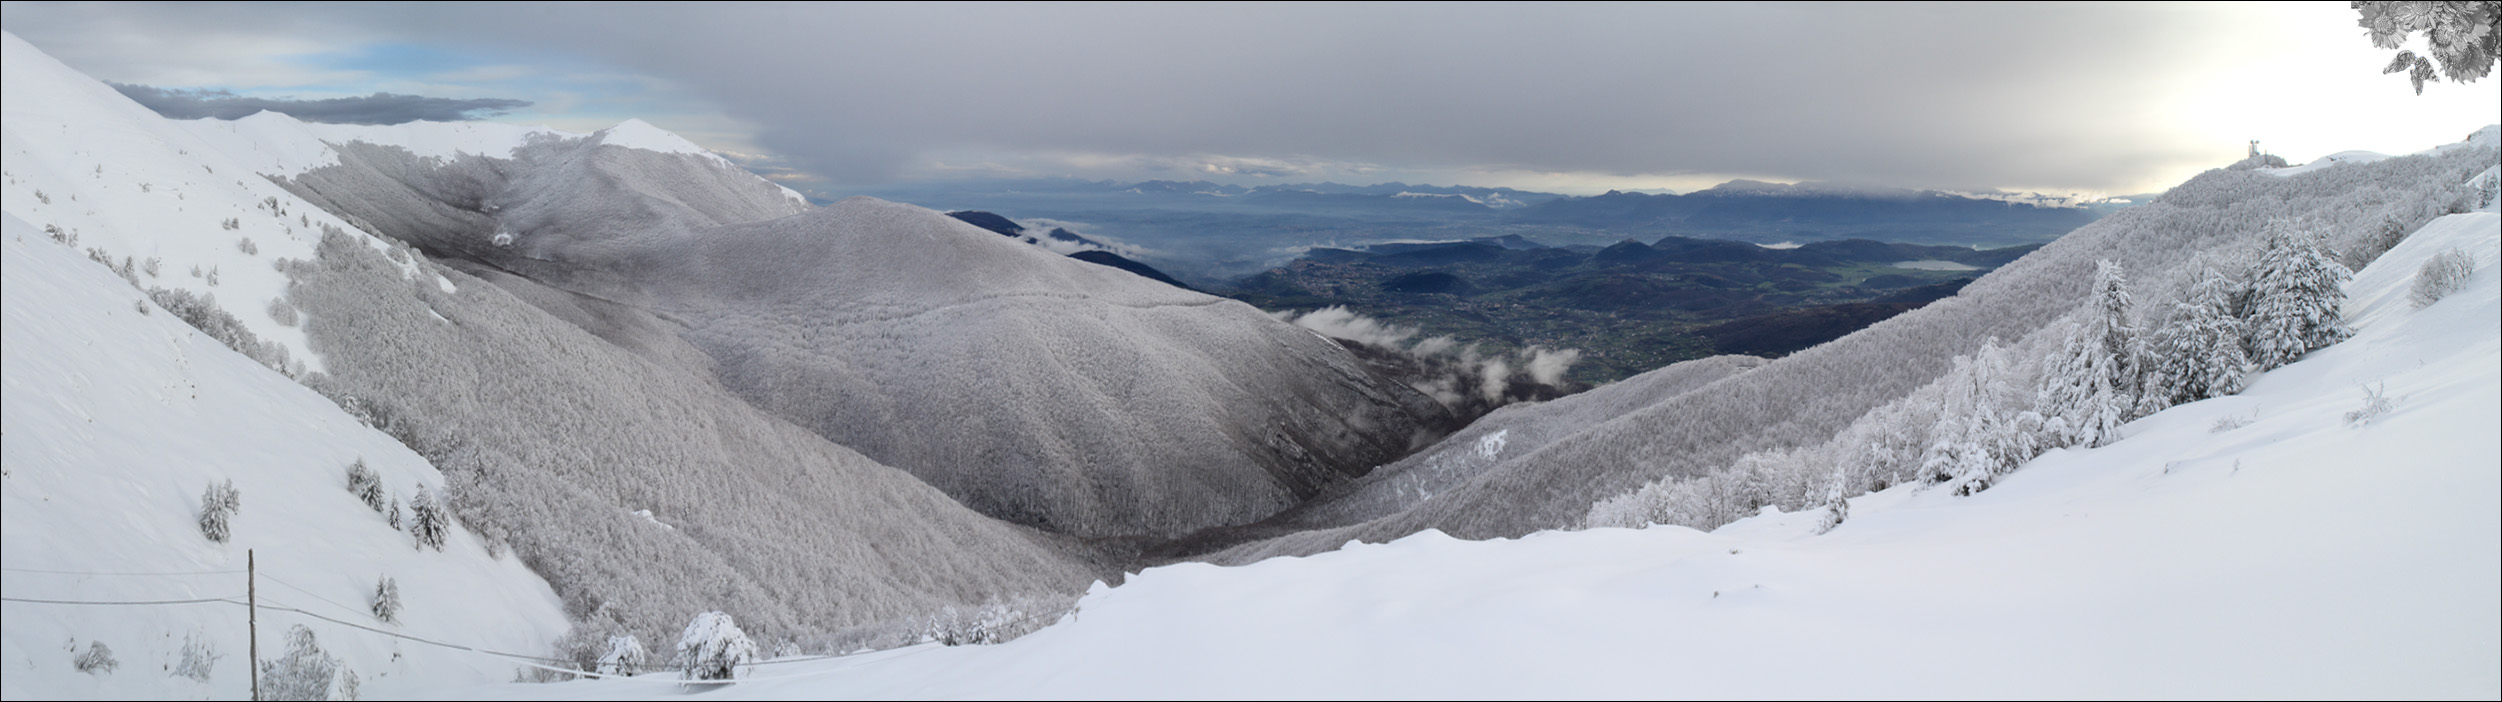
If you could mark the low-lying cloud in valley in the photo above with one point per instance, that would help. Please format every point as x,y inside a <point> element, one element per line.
<point>378,108</point>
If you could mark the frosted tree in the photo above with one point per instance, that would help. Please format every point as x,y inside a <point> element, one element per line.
<point>2296,298</point>
<point>304,672</point>
<point>2197,354</point>
<point>387,600</point>
<point>2464,37</point>
<point>1836,500</point>
<point>624,656</point>
<point>217,509</point>
<point>1975,437</point>
<point>713,647</point>
<point>2090,387</point>
<point>427,519</point>
<point>366,485</point>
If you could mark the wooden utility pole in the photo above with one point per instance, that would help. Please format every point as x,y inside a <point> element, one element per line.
<point>252,621</point>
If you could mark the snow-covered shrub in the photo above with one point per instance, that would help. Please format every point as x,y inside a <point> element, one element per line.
<point>713,647</point>
<point>96,660</point>
<point>2444,273</point>
<point>392,515</point>
<point>993,622</point>
<point>304,672</point>
<point>386,604</point>
<point>217,508</point>
<point>428,522</point>
<point>282,312</point>
<point>1704,503</point>
<point>2374,406</point>
<point>366,485</point>
<point>2228,423</point>
<point>624,656</point>
<point>246,245</point>
<point>151,266</point>
<point>197,659</point>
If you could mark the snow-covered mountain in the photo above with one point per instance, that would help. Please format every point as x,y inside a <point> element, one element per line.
<point>645,372</point>
<point>649,384</point>
<point>1043,390</point>
<point>642,493</point>
<point>1806,398</point>
<point>2257,545</point>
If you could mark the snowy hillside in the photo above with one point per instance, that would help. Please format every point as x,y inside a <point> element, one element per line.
<point>1040,389</point>
<point>119,417</point>
<point>1801,402</point>
<point>2257,545</point>
<point>1034,388</point>
<point>641,493</point>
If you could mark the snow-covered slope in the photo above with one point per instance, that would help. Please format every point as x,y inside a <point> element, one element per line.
<point>549,440</point>
<point>118,417</point>
<point>1512,430</point>
<point>2298,555</point>
<point>1804,399</point>
<point>1033,387</point>
<point>100,170</point>
<point>1042,390</point>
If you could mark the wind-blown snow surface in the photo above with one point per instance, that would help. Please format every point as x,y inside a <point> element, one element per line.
<point>117,422</point>
<point>2299,555</point>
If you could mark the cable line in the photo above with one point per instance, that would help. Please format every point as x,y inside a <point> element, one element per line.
<point>132,602</point>
<point>82,572</point>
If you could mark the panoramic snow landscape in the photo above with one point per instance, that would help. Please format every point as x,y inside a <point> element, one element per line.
<point>299,406</point>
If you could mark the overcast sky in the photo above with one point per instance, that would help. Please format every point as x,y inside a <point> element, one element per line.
<point>2107,99</point>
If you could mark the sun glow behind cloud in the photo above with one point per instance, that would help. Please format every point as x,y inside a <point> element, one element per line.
<point>2065,99</point>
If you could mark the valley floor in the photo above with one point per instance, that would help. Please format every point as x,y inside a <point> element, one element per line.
<point>2260,545</point>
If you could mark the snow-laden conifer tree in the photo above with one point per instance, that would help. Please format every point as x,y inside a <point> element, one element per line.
<point>386,603</point>
<point>2296,297</point>
<point>2198,355</point>
<point>2091,386</point>
<point>1836,500</point>
<point>428,522</point>
<point>217,509</point>
<point>365,484</point>
<point>1974,440</point>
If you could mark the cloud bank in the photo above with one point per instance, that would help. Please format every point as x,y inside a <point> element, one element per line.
<point>378,108</point>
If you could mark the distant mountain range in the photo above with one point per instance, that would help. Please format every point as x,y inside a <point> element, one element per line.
<point>1209,233</point>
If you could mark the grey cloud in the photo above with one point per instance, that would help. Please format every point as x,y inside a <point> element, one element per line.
<point>1963,95</point>
<point>378,108</point>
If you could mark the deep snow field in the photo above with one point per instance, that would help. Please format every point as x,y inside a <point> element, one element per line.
<point>2297,555</point>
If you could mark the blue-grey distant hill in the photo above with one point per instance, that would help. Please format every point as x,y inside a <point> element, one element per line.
<point>1211,233</point>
